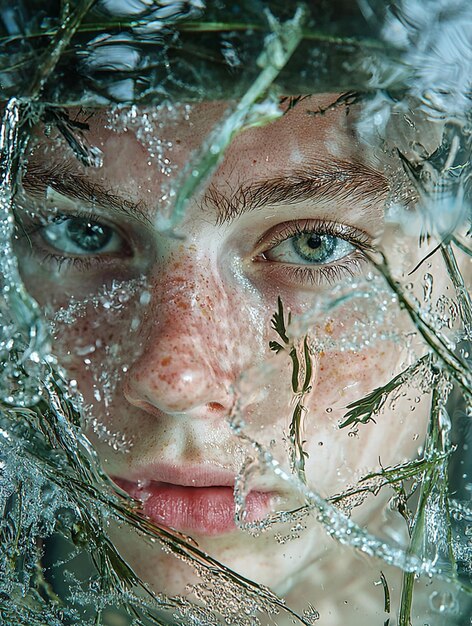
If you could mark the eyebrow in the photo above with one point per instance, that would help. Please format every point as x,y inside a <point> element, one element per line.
<point>64,180</point>
<point>337,180</point>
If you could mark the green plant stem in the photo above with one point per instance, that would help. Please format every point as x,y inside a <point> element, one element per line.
<point>434,475</point>
<point>389,476</point>
<point>200,27</point>
<point>455,365</point>
<point>56,48</point>
<point>278,48</point>
<point>462,246</point>
<point>462,294</point>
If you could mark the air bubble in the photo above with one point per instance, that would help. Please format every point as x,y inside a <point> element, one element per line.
<point>443,602</point>
<point>145,298</point>
<point>427,287</point>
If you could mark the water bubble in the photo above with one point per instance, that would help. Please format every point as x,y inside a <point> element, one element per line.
<point>443,602</point>
<point>145,298</point>
<point>427,286</point>
<point>311,615</point>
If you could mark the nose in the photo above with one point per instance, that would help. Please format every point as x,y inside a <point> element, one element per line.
<point>167,379</point>
<point>190,355</point>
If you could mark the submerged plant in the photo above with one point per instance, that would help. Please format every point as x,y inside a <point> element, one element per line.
<point>302,372</point>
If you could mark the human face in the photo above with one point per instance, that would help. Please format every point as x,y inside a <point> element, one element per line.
<point>166,335</point>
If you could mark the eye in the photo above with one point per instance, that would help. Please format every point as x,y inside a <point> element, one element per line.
<point>310,248</point>
<point>81,236</point>
<point>311,253</point>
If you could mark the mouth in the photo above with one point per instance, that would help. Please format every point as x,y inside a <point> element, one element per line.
<point>203,507</point>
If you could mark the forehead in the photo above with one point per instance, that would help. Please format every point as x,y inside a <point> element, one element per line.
<point>144,149</point>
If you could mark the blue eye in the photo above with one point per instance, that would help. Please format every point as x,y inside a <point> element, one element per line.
<point>310,248</point>
<point>81,236</point>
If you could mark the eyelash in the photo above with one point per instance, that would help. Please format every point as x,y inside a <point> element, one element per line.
<point>323,274</point>
<point>82,263</point>
<point>327,275</point>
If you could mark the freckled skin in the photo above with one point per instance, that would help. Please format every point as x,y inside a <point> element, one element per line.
<point>172,379</point>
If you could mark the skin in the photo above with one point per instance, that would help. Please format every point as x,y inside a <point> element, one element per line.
<point>161,368</point>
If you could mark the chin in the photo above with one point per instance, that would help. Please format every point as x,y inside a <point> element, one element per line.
<point>260,559</point>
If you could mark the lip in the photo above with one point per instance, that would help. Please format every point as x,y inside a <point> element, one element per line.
<point>184,475</point>
<point>196,501</point>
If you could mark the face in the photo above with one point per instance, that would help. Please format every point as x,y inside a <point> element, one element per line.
<point>168,335</point>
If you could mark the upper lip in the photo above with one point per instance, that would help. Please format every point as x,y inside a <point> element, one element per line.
<point>184,475</point>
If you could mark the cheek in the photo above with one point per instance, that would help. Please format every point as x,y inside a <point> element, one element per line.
<point>345,376</point>
<point>96,339</point>
<point>339,457</point>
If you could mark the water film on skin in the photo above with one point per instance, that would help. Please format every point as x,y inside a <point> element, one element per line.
<point>348,397</point>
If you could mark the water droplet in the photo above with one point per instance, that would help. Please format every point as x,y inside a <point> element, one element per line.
<point>145,298</point>
<point>442,601</point>
<point>427,286</point>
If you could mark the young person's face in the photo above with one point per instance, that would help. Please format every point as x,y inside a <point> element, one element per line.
<point>164,334</point>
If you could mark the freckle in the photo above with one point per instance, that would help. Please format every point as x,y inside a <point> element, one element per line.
<point>166,360</point>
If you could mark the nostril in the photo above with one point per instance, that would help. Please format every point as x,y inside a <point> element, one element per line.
<point>215,406</point>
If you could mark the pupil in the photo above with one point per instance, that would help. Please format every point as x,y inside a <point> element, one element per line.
<point>314,247</point>
<point>314,242</point>
<point>89,236</point>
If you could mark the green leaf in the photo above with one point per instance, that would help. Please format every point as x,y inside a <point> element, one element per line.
<point>308,365</point>
<point>275,346</point>
<point>295,369</point>
<point>278,322</point>
<point>363,410</point>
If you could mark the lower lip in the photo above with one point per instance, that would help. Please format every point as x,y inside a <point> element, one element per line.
<point>205,511</point>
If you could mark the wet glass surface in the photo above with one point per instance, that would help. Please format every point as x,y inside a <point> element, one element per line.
<point>235,377</point>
